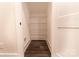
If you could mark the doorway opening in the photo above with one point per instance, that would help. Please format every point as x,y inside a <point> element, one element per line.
<point>38,24</point>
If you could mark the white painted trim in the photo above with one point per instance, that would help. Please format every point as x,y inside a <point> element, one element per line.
<point>26,46</point>
<point>49,46</point>
<point>58,55</point>
<point>8,54</point>
<point>76,13</point>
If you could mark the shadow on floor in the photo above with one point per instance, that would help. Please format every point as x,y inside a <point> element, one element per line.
<point>37,48</point>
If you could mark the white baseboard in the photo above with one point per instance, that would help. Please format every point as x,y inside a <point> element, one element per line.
<point>8,54</point>
<point>27,45</point>
<point>53,54</point>
<point>58,55</point>
<point>13,54</point>
<point>49,46</point>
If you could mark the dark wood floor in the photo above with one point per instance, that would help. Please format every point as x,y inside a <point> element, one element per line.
<point>37,48</point>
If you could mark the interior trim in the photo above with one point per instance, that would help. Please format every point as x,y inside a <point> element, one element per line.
<point>9,54</point>
<point>25,47</point>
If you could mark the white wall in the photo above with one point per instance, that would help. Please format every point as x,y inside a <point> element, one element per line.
<point>12,35</point>
<point>26,25</point>
<point>23,36</point>
<point>66,42</point>
<point>8,42</point>
<point>49,27</point>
